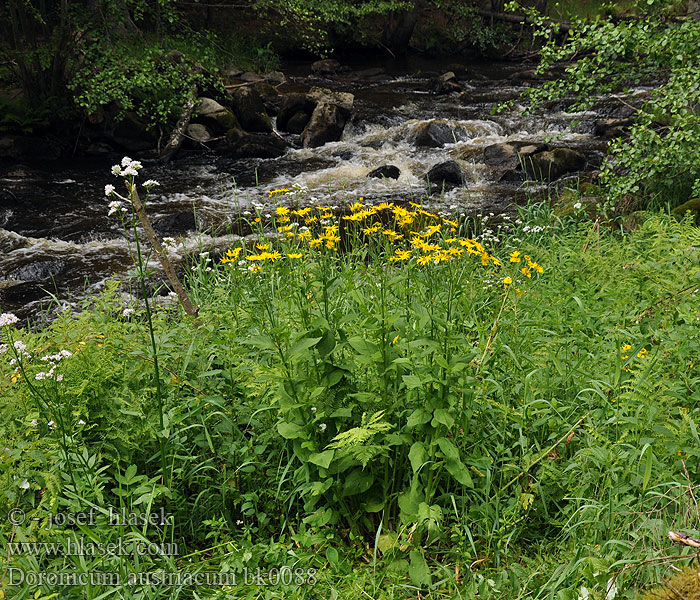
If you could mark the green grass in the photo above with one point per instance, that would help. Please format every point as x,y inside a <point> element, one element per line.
<point>397,427</point>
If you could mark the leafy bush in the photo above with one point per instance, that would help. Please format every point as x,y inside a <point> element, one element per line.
<point>658,163</point>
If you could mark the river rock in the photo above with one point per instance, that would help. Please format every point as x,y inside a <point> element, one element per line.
<point>250,110</point>
<point>326,125</point>
<point>37,271</point>
<point>293,104</point>
<point>343,100</point>
<point>326,67</point>
<point>250,77</point>
<point>241,144</point>
<point>298,122</point>
<point>214,116</point>
<point>612,128</point>
<point>385,171</point>
<point>434,134</point>
<point>270,97</point>
<point>445,84</point>
<point>509,155</point>
<point>445,174</point>
<point>550,165</point>
<point>275,77</point>
<point>198,133</point>
<point>177,224</point>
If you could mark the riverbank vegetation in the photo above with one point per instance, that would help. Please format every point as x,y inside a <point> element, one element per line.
<point>382,401</point>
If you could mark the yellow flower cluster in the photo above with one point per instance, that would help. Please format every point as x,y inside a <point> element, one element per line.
<point>410,233</point>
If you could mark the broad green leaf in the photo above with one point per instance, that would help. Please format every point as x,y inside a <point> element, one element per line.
<point>290,431</point>
<point>322,459</point>
<point>418,570</point>
<point>417,455</point>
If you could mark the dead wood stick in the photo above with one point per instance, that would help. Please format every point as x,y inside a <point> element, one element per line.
<point>174,280</point>
<point>682,538</point>
<point>178,134</point>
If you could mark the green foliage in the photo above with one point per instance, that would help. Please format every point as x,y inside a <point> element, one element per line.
<point>658,163</point>
<point>345,407</point>
<point>153,80</point>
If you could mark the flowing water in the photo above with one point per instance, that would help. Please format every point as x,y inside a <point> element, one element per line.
<point>57,242</point>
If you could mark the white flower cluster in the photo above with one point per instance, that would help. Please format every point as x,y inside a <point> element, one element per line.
<point>53,360</point>
<point>128,168</point>
<point>127,312</point>
<point>169,242</point>
<point>8,319</point>
<point>116,206</point>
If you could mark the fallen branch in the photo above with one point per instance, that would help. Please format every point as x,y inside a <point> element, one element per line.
<point>682,538</point>
<point>563,27</point>
<point>178,134</point>
<point>170,273</point>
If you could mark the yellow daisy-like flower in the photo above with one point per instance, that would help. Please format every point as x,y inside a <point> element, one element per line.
<point>231,255</point>
<point>485,259</point>
<point>515,257</point>
<point>537,268</point>
<point>373,229</point>
<point>642,353</point>
<point>507,280</point>
<point>282,211</point>
<point>526,271</point>
<point>385,206</point>
<point>294,255</point>
<point>257,220</point>
<point>304,235</point>
<point>396,339</point>
<point>302,212</point>
<point>356,206</point>
<point>495,261</point>
<point>255,268</point>
<point>262,246</point>
<point>401,255</point>
<point>279,191</point>
<point>284,228</point>
<point>626,347</point>
<point>424,260</point>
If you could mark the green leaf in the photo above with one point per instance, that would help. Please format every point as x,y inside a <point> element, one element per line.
<point>300,347</point>
<point>442,416</point>
<point>358,482</point>
<point>322,459</point>
<point>420,416</point>
<point>453,462</point>
<point>417,455</point>
<point>418,570</point>
<point>412,381</point>
<point>290,431</point>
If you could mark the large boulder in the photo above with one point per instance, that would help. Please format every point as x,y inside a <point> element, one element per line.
<point>293,105</point>
<point>241,144</point>
<point>434,134</point>
<point>298,122</point>
<point>328,118</point>
<point>550,165</point>
<point>326,125</point>
<point>343,100</point>
<point>214,116</point>
<point>385,171</point>
<point>270,96</point>
<point>445,174</point>
<point>250,110</point>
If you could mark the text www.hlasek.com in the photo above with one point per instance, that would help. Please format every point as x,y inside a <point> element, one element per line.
<point>81,546</point>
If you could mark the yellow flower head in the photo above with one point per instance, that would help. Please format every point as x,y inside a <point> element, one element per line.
<point>396,339</point>
<point>642,353</point>
<point>515,257</point>
<point>507,280</point>
<point>294,255</point>
<point>255,268</point>
<point>262,246</point>
<point>526,271</point>
<point>282,211</point>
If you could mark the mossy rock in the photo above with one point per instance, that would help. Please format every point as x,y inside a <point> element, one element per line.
<point>692,205</point>
<point>685,584</point>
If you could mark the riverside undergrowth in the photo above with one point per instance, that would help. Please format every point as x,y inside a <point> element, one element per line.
<point>373,401</point>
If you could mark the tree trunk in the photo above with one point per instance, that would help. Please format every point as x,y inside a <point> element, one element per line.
<point>178,134</point>
<point>398,31</point>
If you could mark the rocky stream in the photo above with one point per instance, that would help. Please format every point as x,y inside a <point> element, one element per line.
<point>419,130</point>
